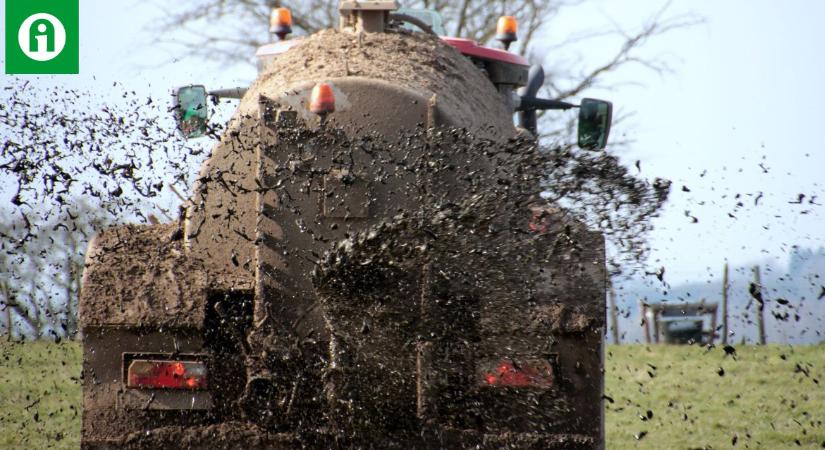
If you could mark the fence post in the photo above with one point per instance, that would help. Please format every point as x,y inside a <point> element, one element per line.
<point>760,316</point>
<point>725,287</point>
<point>9,326</point>
<point>643,312</point>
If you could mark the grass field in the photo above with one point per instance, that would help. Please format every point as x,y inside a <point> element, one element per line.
<point>662,397</point>
<point>39,395</point>
<point>768,397</point>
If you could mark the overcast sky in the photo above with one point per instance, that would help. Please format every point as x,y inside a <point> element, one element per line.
<point>740,113</point>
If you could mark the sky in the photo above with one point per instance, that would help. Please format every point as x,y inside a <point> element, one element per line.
<point>738,117</point>
<point>745,90</point>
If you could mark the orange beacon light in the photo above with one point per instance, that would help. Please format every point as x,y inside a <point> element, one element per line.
<point>280,22</point>
<point>507,31</point>
<point>323,99</point>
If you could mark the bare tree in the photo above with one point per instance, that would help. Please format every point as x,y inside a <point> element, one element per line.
<point>40,280</point>
<point>18,282</point>
<point>229,31</point>
<point>474,19</point>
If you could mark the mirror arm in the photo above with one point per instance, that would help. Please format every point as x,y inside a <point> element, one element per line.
<point>528,104</point>
<point>527,107</point>
<point>236,93</point>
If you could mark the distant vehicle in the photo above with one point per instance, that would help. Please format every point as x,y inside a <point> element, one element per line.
<point>680,323</point>
<point>210,333</point>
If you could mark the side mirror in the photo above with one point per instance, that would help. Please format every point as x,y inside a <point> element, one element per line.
<point>192,111</point>
<point>595,117</point>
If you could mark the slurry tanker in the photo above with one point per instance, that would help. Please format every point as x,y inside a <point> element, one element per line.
<point>365,260</point>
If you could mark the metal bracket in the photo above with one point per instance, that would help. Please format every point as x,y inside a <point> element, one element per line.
<point>368,5</point>
<point>366,16</point>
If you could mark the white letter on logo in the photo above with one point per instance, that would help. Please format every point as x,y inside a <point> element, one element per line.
<point>43,43</point>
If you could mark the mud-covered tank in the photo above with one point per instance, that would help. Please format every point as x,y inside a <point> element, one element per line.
<point>380,274</point>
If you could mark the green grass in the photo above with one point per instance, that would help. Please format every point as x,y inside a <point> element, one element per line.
<point>763,399</point>
<point>39,395</point>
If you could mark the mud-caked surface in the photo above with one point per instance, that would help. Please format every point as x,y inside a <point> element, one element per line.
<point>461,265</point>
<point>140,276</point>
<point>477,267</point>
<point>418,62</point>
<point>228,435</point>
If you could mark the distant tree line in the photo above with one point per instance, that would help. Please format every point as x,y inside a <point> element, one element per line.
<point>41,267</point>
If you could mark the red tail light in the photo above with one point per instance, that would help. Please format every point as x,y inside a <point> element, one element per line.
<point>166,375</point>
<point>532,373</point>
<point>540,222</point>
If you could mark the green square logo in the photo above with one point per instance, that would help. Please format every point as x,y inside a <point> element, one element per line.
<point>42,37</point>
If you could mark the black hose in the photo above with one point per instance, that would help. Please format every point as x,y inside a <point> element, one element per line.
<point>414,21</point>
